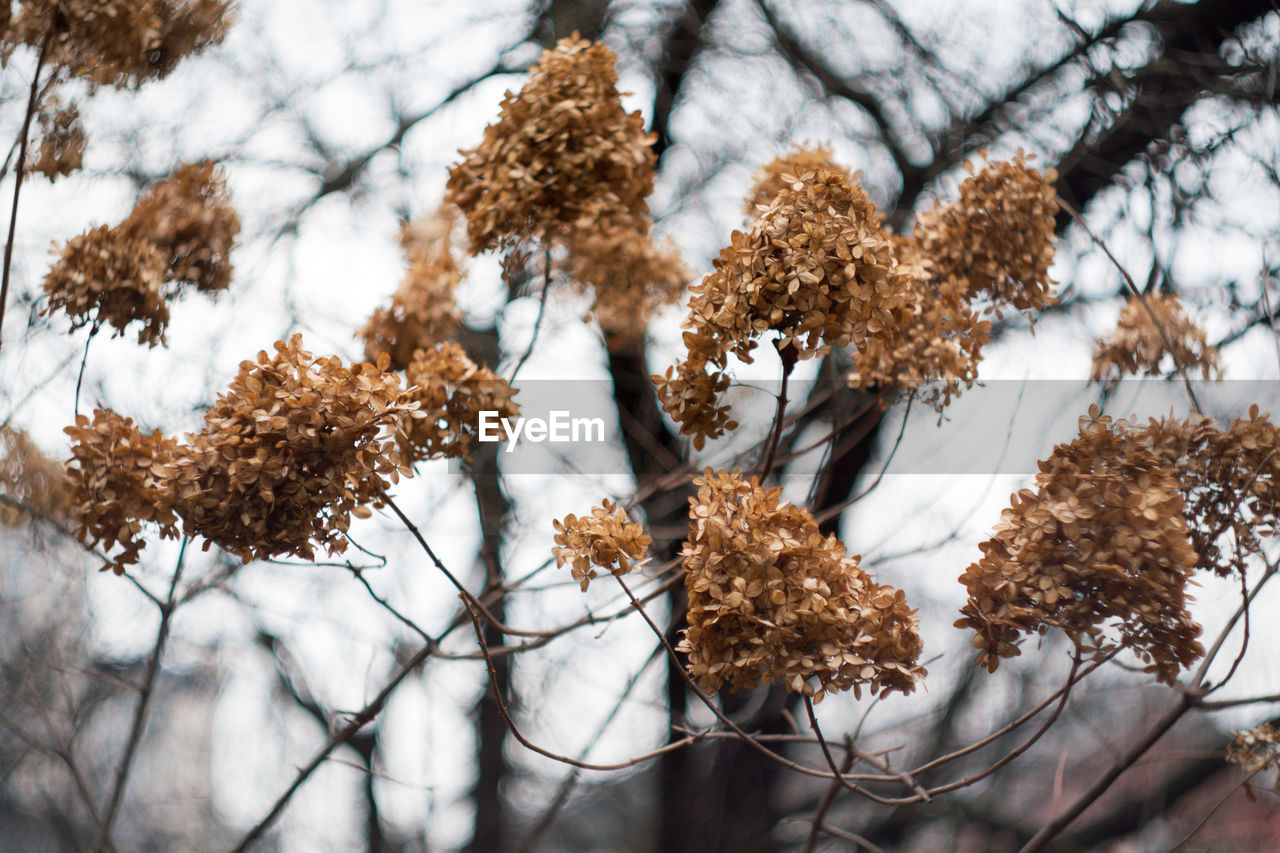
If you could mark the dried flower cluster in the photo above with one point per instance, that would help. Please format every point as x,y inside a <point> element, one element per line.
<point>603,540</point>
<point>422,311</point>
<point>1255,750</point>
<point>987,251</point>
<point>30,478</point>
<point>632,275</point>
<point>451,391</point>
<point>119,479</point>
<point>1230,482</point>
<point>295,446</point>
<point>563,152</point>
<point>771,597</point>
<point>997,236</point>
<point>815,267</point>
<point>59,148</point>
<point>179,234</point>
<point>1100,546</point>
<point>779,173</point>
<point>1138,344</point>
<point>122,43</point>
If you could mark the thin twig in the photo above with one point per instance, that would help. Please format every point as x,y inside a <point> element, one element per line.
<point>789,355</point>
<point>542,309</point>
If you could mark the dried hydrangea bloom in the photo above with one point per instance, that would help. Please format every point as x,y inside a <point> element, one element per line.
<point>189,217</point>
<point>1255,750</point>
<point>451,391</point>
<point>815,267</point>
<point>1099,548</point>
<point>294,447</point>
<point>178,234</point>
<point>122,43</point>
<point>1138,347</point>
<point>422,311</point>
<point>30,478</point>
<point>692,396</point>
<point>563,151</point>
<point>935,354</point>
<point>997,236</point>
<point>105,276</point>
<point>770,597</point>
<point>603,540</point>
<point>1230,482</point>
<point>632,275</point>
<point>59,147</point>
<point>119,478</point>
<point>779,173</point>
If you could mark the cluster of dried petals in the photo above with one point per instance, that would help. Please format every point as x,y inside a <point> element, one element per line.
<point>603,540</point>
<point>770,597</point>
<point>1100,548</point>
<point>1256,750</point>
<point>1138,345</point>
<point>815,267</point>
<point>59,147</point>
<point>179,234</point>
<point>779,173</point>
<point>189,217</point>
<point>29,478</point>
<point>289,452</point>
<point>451,391</point>
<point>997,236</point>
<point>107,277</point>
<point>422,311</point>
<point>119,479</point>
<point>563,151</point>
<point>936,354</point>
<point>122,43</point>
<point>1230,482</point>
<point>632,275</point>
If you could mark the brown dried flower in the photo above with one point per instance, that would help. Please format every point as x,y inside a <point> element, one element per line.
<point>563,151</point>
<point>451,391</point>
<point>603,540</point>
<point>1138,345</point>
<point>60,145</point>
<point>779,173</point>
<point>31,479</point>
<point>422,311</point>
<point>632,275</point>
<point>119,479</point>
<point>178,234</point>
<point>296,446</point>
<point>997,236</point>
<point>1100,546</point>
<point>190,219</point>
<point>815,267</point>
<point>1255,750</point>
<point>121,43</point>
<point>771,597</point>
<point>107,276</point>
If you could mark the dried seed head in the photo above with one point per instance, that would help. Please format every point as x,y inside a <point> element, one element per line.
<point>119,478</point>
<point>1099,548</point>
<point>1138,346</point>
<point>603,540</point>
<point>451,391</point>
<point>815,267</point>
<point>121,43</point>
<point>563,151</point>
<point>631,274</point>
<point>295,446</point>
<point>59,147</point>
<point>422,311</point>
<point>30,478</point>
<point>771,597</point>
<point>1256,750</point>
